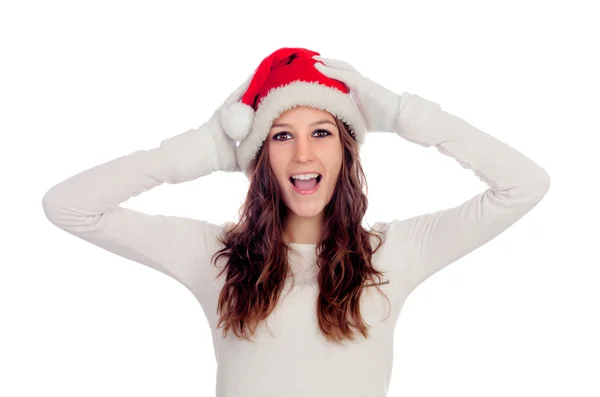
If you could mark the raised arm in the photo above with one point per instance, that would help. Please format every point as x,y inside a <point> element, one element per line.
<point>87,205</point>
<point>516,185</point>
<point>432,241</point>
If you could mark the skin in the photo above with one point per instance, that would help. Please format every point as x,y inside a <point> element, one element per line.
<point>305,139</point>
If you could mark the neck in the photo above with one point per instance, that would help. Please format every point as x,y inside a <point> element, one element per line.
<point>303,230</point>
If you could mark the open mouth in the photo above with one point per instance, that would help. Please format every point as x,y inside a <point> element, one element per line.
<point>318,179</point>
<point>306,185</point>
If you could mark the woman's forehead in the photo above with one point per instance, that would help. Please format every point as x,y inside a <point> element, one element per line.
<point>303,115</point>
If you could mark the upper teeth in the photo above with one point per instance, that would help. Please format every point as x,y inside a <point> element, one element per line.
<point>305,176</point>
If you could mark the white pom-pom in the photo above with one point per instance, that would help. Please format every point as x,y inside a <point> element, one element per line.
<point>237,120</point>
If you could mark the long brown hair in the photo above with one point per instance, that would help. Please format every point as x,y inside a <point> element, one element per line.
<point>257,264</point>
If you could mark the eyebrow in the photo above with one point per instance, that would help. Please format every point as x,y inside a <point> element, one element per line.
<point>311,124</point>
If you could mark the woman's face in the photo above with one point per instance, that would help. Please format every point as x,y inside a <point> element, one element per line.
<point>305,141</point>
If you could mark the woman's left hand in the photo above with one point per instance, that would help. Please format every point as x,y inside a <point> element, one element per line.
<point>380,107</point>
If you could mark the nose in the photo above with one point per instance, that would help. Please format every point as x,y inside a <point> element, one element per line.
<point>303,150</point>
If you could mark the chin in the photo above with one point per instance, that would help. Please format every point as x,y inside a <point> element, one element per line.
<point>305,207</point>
<point>306,211</point>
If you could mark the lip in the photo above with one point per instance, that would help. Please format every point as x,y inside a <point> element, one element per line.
<point>311,191</point>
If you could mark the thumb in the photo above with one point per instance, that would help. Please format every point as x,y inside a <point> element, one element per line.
<point>237,95</point>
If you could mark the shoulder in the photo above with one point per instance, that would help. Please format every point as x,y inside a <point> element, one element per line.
<point>394,234</point>
<point>383,228</point>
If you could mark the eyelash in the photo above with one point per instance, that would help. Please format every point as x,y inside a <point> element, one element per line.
<point>275,137</point>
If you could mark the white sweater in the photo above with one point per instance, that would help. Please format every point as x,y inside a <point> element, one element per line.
<point>290,357</point>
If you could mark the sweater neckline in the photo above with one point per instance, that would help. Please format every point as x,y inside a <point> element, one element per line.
<point>303,245</point>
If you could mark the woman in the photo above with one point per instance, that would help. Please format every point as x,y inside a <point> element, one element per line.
<point>299,121</point>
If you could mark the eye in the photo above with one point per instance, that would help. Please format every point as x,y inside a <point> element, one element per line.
<point>276,136</point>
<point>327,133</point>
<point>321,134</point>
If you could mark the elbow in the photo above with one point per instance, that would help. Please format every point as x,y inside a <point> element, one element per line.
<point>50,206</point>
<point>53,205</point>
<point>63,212</point>
<point>539,184</point>
<point>543,181</point>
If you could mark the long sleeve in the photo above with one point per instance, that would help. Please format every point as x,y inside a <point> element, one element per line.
<point>516,184</point>
<point>87,205</point>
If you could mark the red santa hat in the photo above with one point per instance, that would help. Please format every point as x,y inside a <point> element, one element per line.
<point>283,80</point>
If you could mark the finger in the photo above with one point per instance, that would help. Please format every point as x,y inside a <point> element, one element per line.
<point>337,74</point>
<point>335,63</point>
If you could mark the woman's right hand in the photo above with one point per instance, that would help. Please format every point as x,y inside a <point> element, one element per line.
<point>224,144</point>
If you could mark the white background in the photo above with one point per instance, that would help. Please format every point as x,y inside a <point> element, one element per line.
<point>85,82</point>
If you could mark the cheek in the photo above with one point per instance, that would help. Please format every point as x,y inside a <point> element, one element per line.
<point>277,162</point>
<point>333,162</point>
<point>279,165</point>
